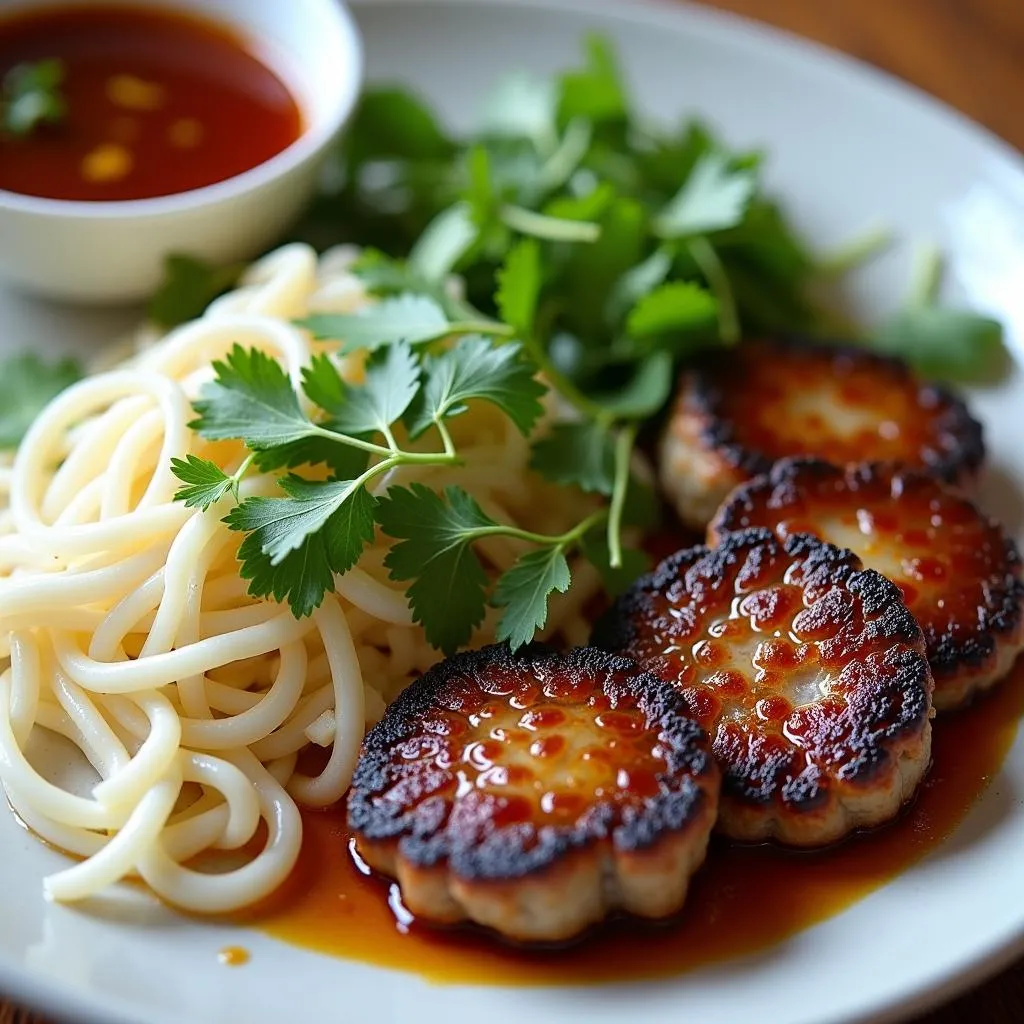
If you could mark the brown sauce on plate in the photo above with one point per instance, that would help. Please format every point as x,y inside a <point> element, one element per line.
<point>743,900</point>
<point>156,102</point>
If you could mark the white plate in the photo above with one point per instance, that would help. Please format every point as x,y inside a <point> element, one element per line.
<point>849,148</point>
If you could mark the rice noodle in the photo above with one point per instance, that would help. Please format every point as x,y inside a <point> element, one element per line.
<point>131,635</point>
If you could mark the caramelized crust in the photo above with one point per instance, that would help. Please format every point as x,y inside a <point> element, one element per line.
<point>807,670</point>
<point>535,792</point>
<point>959,574</point>
<point>738,410</point>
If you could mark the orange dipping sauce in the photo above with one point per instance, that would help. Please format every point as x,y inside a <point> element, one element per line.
<point>743,900</point>
<point>156,102</point>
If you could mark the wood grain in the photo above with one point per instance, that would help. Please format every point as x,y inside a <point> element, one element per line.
<point>969,53</point>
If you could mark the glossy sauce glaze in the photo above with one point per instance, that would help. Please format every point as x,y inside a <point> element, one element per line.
<point>742,900</point>
<point>156,103</point>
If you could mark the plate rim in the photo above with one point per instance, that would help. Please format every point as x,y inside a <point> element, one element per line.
<point>36,991</point>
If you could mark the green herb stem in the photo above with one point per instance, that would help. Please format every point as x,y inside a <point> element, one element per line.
<point>927,280</point>
<point>565,387</point>
<point>623,452</point>
<point>553,229</point>
<point>446,436</point>
<point>558,168</point>
<point>490,327</point>
<point>447,457</point>
<point>706,258</point>
<point>561,540</point>
<point>856,252</point>
<point>236,477</point>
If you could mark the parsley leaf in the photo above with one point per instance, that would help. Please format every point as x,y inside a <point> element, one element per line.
<point>31,96</point>
<point>714,197</point>
<point>677,306</point>
<point>636,282</point>
<point>445,241</point>
<point>523,592</point>
<point>391,122</point>
<point>250,398</point>
<point>644,393</point>
<point>476,369</point>
<point>295,544</point>
<point>519,286</point>
<point>412,318</point>
<point>592,270</point>
<point>522,106</point>
<point>577,453</point>
<point>391,382</point>
<point>188,287</point>
<point>953,344</point>
<point>27,384</point>
<point>435,535</point>
<point>595,92</point>
<point>206,483</point>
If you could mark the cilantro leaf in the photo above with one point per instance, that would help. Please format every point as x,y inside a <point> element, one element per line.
<point>385,275</point>
<point>444,242</point>
<point>250,398</point>
<point>391,122</point>
<point>519,286</point>
<point>27,384</point>
<point>412,318</point>
<point>645,392</point>
<point>481,197</point>
<point>714,197</point>
<point>592,270</point>
<point>954,344</point>
<point>636,282</point>
<point>435,537</point>
<point>188,287</point>
<point>206,483</point>
<point>677,306</point>
<point>523,592</point>
<point>301,578</point>
<point>577,453</point>
<point>391,382</point>
<point>589,206</point>
<point>296,543</point>
<point>476,369</point>
<point>595,92</point>
<point>31,96</point>
<point>522,106</point>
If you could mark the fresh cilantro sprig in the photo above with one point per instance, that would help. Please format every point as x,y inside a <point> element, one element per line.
<point>638,212</point>
<point>951,343</point>
<point>436,535</point>
<point>566,240</point>
<point>297,541</point>
<point>189,285</point>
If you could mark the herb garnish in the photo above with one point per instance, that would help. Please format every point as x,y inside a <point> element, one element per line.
<point>188,287</point>
<point>295,543</point>
<point>31,96</point>
<point>596,252</point>
<point>27,384</point>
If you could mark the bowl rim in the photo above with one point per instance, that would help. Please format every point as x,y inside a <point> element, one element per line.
<point>312,140</point>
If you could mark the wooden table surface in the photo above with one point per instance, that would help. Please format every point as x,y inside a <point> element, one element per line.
<point>969,53</point>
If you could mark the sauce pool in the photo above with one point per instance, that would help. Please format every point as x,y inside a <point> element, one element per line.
<point>156,103</point>
<point>743,899</point>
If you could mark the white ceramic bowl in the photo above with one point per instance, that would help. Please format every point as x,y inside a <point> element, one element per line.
<point>113,251</point>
